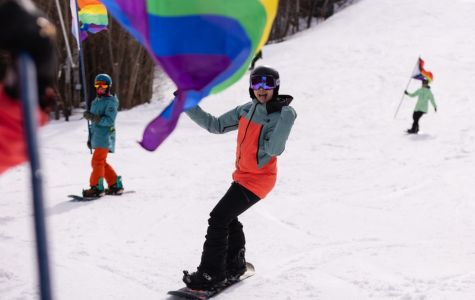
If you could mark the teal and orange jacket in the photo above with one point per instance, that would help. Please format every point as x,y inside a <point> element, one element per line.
<point>424,95</point>
<point>261,137</point>
<point>103,132</point>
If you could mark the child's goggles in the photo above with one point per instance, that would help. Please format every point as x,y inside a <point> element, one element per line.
<point>99,84</point>
<point>265,82</point>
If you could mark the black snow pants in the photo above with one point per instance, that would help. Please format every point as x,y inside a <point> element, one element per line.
<point>416,116</point>
<point>225,236</point>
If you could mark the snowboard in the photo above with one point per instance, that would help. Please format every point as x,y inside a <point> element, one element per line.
<point>186,293</point>
<point>78,198</point>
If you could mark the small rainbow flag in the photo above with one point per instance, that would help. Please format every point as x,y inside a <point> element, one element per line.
<point>204,46</point>
<point>420,73</point>
<point>92,17</point>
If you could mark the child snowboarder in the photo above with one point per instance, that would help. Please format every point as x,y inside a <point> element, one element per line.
<point>102,116</point>
<point>424,95</point>
<point>263,126</point>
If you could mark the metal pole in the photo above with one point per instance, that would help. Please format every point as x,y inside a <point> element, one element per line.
<point>63,28</point>
<point>83,76</point>
<point>402,98</point>
<point>29,96</point>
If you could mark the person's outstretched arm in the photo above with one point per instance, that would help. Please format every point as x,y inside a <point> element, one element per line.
<point>416,93</point>
<point>227,122</point>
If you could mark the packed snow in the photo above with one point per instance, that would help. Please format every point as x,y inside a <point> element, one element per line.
<point>361,210</point>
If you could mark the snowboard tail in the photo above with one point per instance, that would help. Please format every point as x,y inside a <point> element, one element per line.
<point>78,198</point>
<point>187,293</point>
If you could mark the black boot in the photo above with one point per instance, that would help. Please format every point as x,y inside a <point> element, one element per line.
<point>93,192</point>
<point>117,188</point>
<point>203,281</point>
<point>414,129</point>
<point>236,265</point>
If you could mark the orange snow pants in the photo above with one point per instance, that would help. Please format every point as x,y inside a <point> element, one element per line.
<point>100,168</point>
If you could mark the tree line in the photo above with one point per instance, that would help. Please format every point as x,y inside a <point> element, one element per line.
<point>115,52</point>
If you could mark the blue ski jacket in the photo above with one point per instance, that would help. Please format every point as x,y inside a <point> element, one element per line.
<point>103,131</point>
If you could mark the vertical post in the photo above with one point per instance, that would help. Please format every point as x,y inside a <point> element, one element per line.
<point>402,98</point>
<point>407,86</point>
<point>83,75</point>
<point>29,96</point>
<point>63,27</point>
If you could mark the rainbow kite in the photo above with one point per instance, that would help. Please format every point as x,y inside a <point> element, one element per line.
<point>92,17</point>
<point>203,45</point>
<point>420,73</point>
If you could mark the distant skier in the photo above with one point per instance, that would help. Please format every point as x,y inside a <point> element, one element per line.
<point>424,95</point>
<point>263,126</point>
<point>102,114</point>
<point>255,59</point>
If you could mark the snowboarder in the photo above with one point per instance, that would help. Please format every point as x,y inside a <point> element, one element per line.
<point>263,126</point>
<point>23,28</point>
<point>424,95</point>
<point>102,116</point>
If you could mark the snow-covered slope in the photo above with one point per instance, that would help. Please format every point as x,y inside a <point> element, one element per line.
<point>360,210</point>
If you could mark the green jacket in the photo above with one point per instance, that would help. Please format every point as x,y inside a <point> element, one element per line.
<point>424,94</point>
<point>103,132</point>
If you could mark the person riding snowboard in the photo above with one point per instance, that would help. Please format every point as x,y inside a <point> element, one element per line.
<point>102,139</point>
<point>263,125</point>
<point>424,95</point>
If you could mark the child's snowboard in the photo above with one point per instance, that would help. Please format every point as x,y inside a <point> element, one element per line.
<point>78,198</point>
<point>187,293</point>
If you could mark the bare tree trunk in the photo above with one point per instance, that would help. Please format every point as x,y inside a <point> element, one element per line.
<point>311,12</point>
<point>112,51</point>
<point>115,52</point>
<point>67,83</point>
<point>291,12</point>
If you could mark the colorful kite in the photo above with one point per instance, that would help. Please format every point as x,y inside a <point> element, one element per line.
<point>203,45</point>
<point>420,73</point>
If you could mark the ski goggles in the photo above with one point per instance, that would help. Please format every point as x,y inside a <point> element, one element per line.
<point>265,82</point>
<point>101,85</point>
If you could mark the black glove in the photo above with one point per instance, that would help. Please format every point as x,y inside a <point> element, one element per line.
<point>277,104</point>
<point>23,29</point>
<point>91,117</point>
<point>435,108</point>
<point>89,144</point>
<point>405,92</point>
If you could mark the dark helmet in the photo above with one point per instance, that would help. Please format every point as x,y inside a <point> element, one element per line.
<point>265,71</point>
<point>105,78</point>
